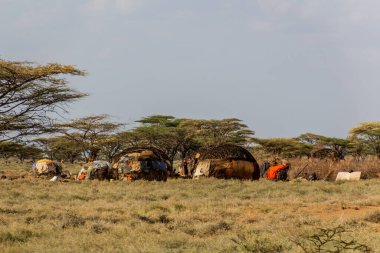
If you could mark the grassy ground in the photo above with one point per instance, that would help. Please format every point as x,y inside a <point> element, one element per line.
<point>206,215</point>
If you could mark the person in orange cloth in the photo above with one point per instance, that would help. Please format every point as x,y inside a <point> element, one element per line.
<point>278,172</point>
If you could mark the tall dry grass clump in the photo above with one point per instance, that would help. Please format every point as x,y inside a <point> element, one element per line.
<point>327,169</point>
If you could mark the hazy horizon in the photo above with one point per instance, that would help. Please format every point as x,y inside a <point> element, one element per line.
<point>284,67</point>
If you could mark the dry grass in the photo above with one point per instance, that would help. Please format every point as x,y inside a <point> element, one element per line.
<point>328,169</point>
<point>206,215</point>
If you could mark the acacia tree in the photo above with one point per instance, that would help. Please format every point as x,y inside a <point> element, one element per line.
<point>88,133</point>
<point>28,152</point>
<point>325,146</point>
<point>284,147</point>
<point>165,133</point>
<point>110,145</point>
<point>45,145</point>
<point>368,133</point>
<point>20,150</point>
<point>8,149</point>
<point>357,148</point>
<point>216,132</point>
<point>30,95</point>
<point>60,148</point>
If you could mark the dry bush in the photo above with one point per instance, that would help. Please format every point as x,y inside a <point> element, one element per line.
<point>333,240</point>
<point>253,241</point>
<point>374,217</point>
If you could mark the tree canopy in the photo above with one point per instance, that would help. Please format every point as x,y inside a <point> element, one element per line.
<point>20,150</point>
<point>182,136</point>
<point>325,146</point>
<point>369,133</point>
<point>216,132</point>
<point>284,147</point>
<point>88,132</point>
<point>30,95</point>
<point>166,133</point>
<point>60,148</point>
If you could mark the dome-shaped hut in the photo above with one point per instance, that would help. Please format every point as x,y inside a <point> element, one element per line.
<point>47,168</point>
<point>142,163</point>
<point>227,161</point>
<point>95,170</point>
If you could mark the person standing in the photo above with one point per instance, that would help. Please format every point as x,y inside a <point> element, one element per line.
<point>185,168</point>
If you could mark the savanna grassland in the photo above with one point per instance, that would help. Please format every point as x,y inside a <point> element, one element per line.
<point>206,215</point>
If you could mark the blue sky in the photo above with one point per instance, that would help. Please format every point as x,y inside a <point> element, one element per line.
<point>284,67</point>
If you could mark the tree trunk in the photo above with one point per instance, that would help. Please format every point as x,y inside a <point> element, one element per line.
<point>84,155</point>
<point>93,154</point>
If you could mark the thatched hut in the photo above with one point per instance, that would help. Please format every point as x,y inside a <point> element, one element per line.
<point>141,163</point>
<point>227,161</point>
<point>47,168</point>
<point>95,170</point>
